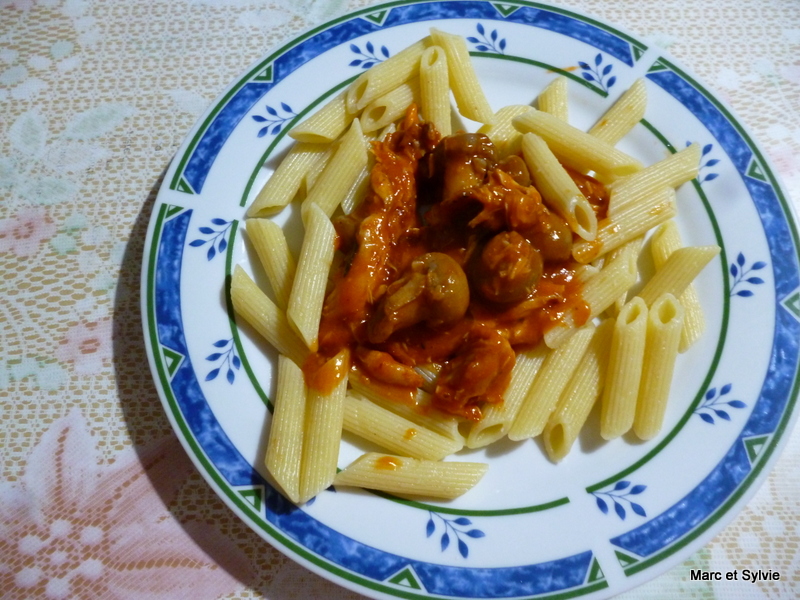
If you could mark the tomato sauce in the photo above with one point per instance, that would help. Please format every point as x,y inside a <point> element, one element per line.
<point>452,260</point>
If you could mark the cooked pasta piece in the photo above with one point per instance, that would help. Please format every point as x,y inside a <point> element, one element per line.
<point>275,257</point>
<point>579,396</point>
<point>467,90</point>
<point>550,381</point>
<point>600,291</point>
<point>498,418</point>
<point>308,291</point>
<point>341,172</point>
<point>394,433</point>
<point>626,112</point>
<point>435,89</point>
<point>628,224</point>
<point>385,76</point>
<point>625,359</point>
<point>664,242</point>
<point>288,178</point>
<point>577,149</point>
<point>285,446</point>
<point>505,137</point>
<point>325,125</point>
<point>445,425</point>
<point>558,189</point>
<point>664,323</point>
<point>261,313</point>
<point>322,435</point>
<point>553,99</point>
<point>678,272</point>
<point>411,476</point>
<point>390,107</point>
<point>671,172</point>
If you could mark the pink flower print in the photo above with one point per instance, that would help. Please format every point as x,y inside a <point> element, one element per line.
<point>86,346</point>
<point>75,529</point>
<point>23,234</point>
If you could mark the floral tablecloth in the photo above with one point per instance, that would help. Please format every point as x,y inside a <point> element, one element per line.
<point>97,498</point>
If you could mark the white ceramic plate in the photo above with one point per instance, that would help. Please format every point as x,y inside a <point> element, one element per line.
<point>611,515</point>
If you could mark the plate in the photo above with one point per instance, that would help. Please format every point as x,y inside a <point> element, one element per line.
<point>612,514</point>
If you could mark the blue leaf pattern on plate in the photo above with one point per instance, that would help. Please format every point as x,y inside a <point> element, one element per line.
<point>706,163</point>
<point>742,276</point>
<point>491,43</point>
<point>274,122</point>
<point>369,56</point>
<point>456,528</point>
<point>226,360</point>
<point>714,402</point>
<point>216,240</point>
<point>594,74</point>
<point>619,497</point>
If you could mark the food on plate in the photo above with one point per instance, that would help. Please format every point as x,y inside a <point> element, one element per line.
<point>456,287</point>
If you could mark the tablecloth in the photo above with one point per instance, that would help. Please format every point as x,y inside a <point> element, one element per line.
<point>97,498</point>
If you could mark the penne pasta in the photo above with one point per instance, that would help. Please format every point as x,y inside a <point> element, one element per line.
<point>285,446</point>
<point>557,188</point>
<point>600,291</point>
<point>678,272</point>
<point>626,112</point>
<point>550,381</point>
<point>324,420</point>
<point>390,107</point>
<point>276,258</point>
<point>394,433</point>
<point>553,99</point>
<point>664,242</point>
<point>261,313</point>
<point>411,476</point>
<point>664,323</point>
<point>627,224</point>
<point>671,172</point>
<point>498,418</point>
<point>466,88</point>
<point>445,425</point>
<point>625,359</point>
<point>325,125</point>
<point>288,178</point>
<point>435,89</point>
<point>579,396</point>
<point>340,173</point>
<point>505,137</point>
<point>384,76</point>
<point>577,149</point>
<point>304,309</point>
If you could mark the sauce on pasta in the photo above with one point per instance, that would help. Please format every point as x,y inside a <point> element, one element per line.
<point>452,263</point>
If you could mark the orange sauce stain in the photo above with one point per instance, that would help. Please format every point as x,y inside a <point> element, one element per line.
<point>410,434</point>
<point>388,463</point>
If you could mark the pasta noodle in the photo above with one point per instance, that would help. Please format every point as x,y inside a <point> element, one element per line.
<point>308,291</point>
<point>411,476</point>
<point>579,396</point>
<point>625,358</point>
<point>664,322</point>
<point>435,89</point>
<point>577,149</point>
<point>274,254</point>
<point>664,242</point>
<point>553,99</point>
<point>626,112</point>
<point>467,90</point>
<point>285,446</point>
<point>558,189</point>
